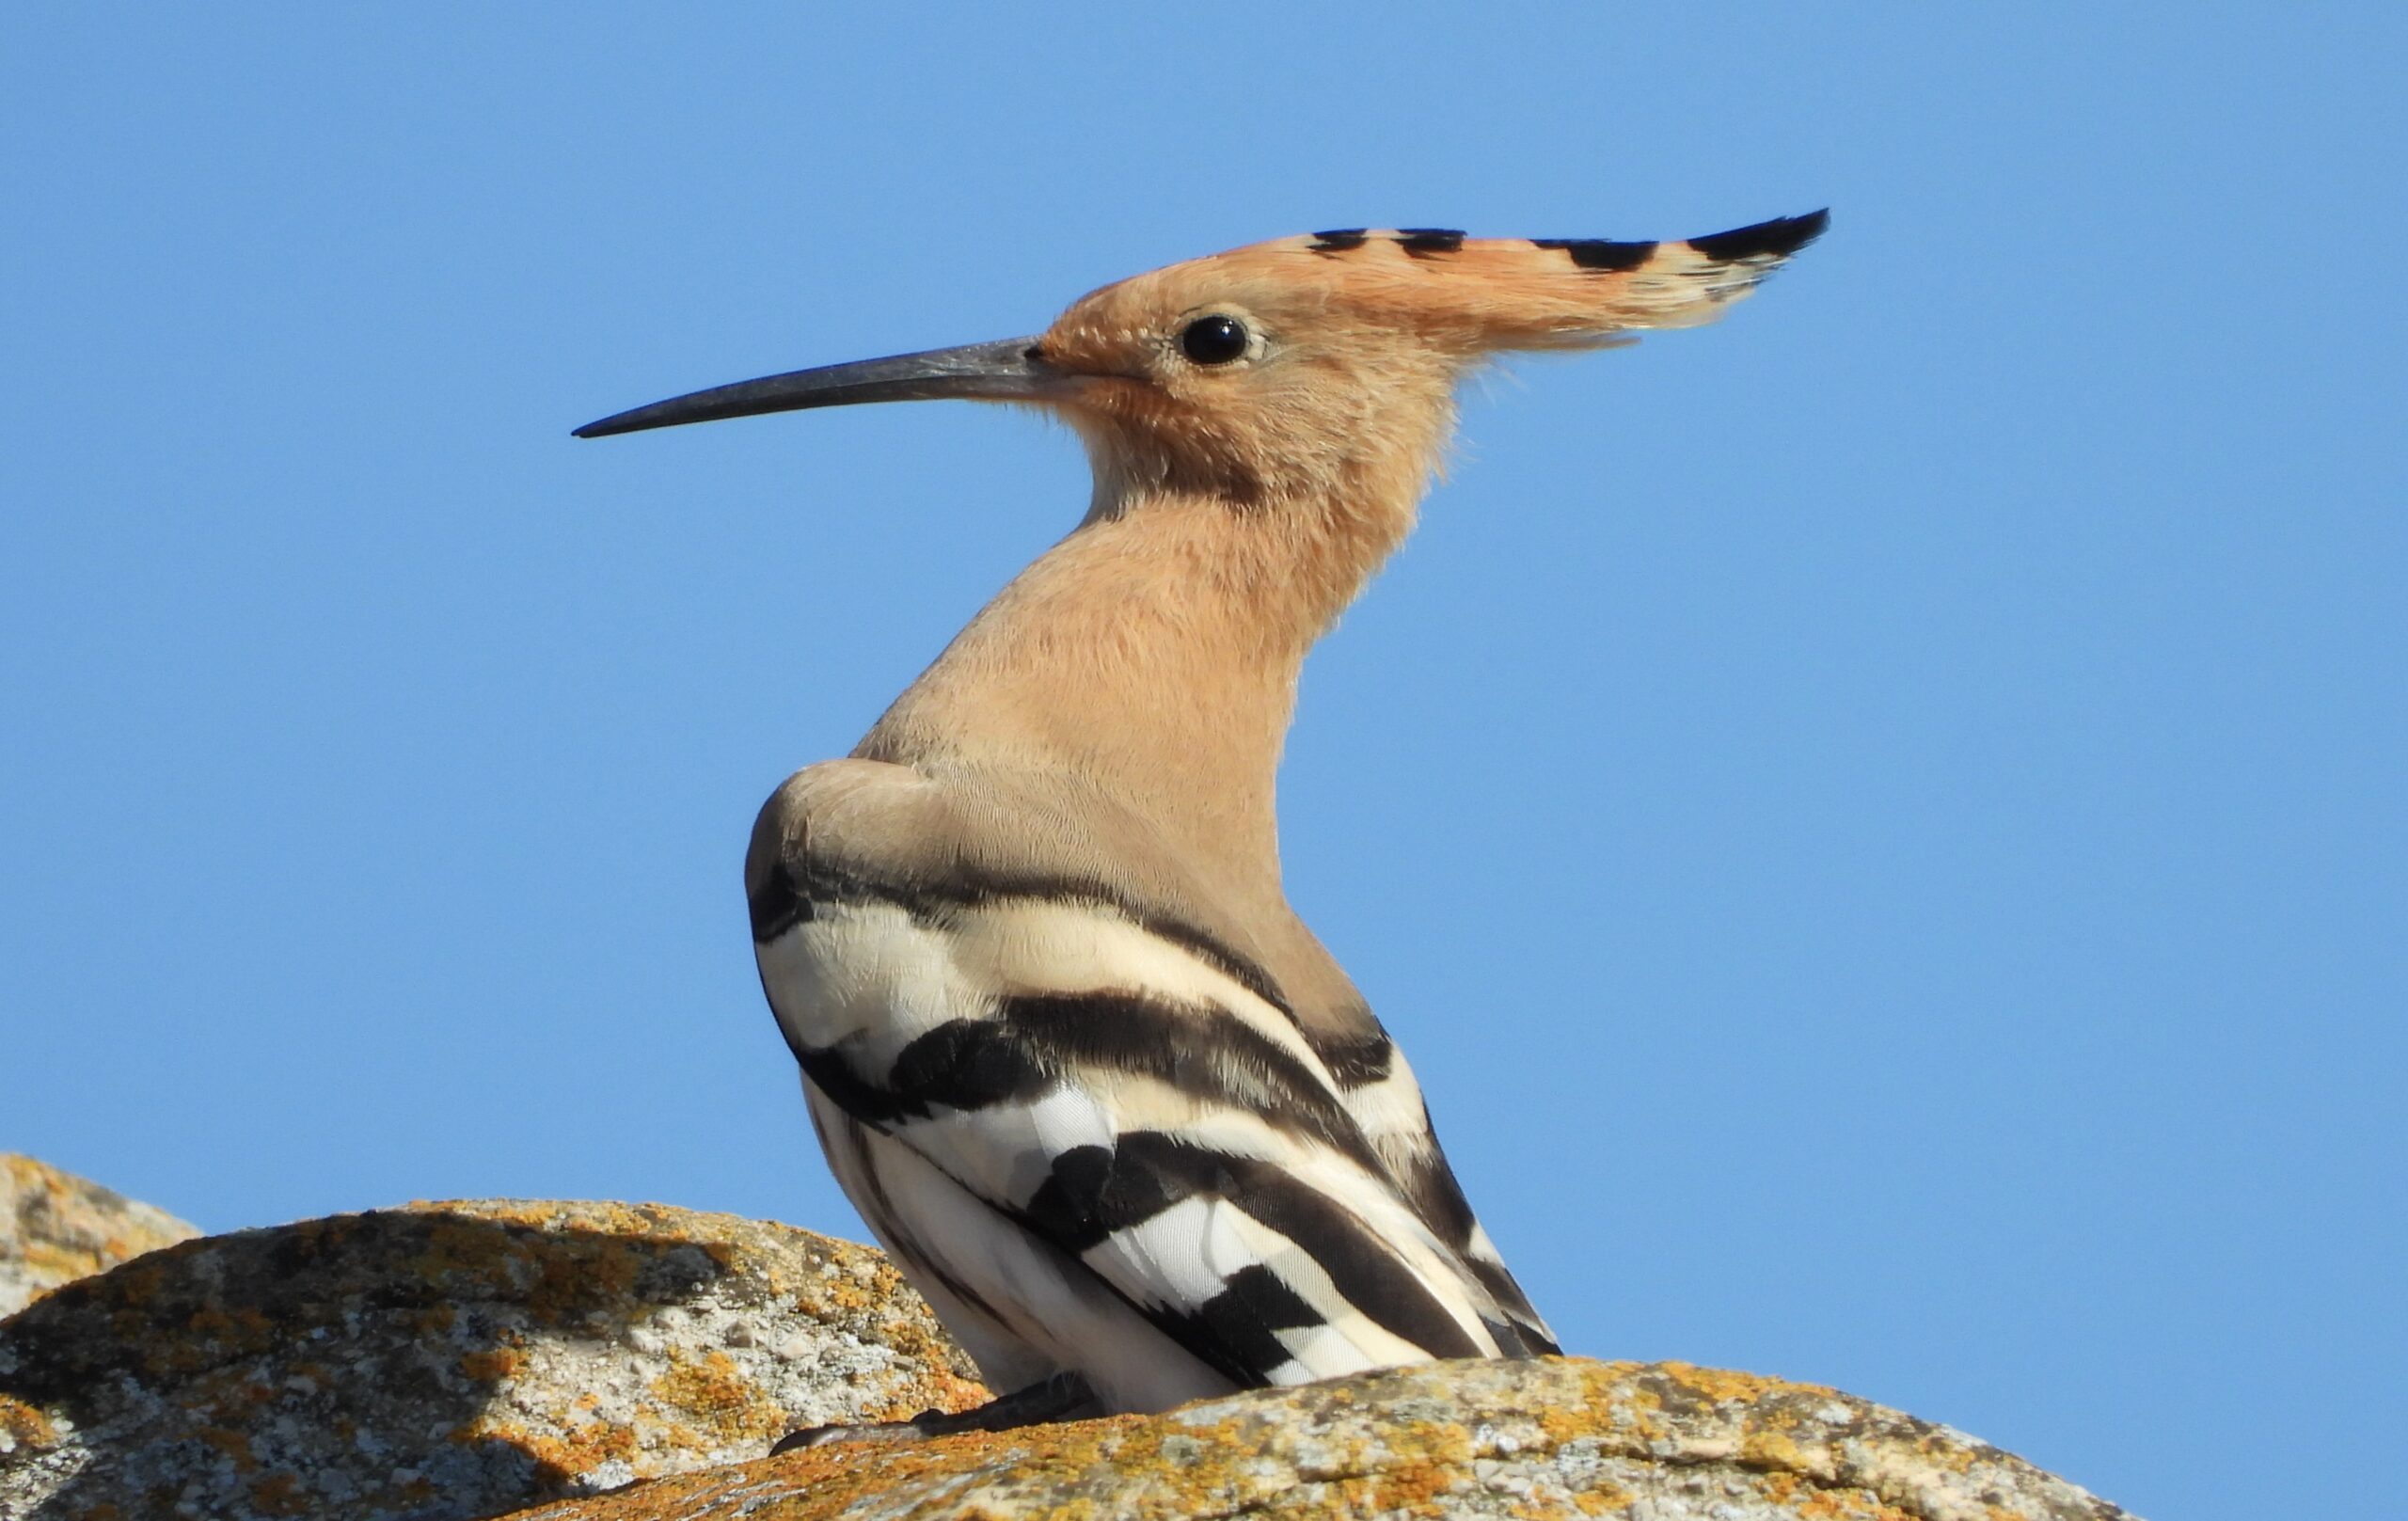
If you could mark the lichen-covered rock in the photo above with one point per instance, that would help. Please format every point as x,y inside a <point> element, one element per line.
<point>449,1361</point>
<point>55,1228</point>
<point>464,1360</point>
<point>1555,1437</point>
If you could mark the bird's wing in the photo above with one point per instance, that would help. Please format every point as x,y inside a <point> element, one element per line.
<point>1379,1091</point>
<point>1109,1082</point>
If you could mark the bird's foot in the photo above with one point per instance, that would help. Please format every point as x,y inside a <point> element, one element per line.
<point>1063,1397</point>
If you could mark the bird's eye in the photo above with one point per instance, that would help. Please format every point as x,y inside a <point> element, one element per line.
<point>1214,340</point>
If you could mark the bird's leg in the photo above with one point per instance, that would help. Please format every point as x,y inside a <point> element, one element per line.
<point>1063,1397</point>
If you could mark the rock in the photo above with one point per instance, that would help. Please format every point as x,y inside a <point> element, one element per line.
<point>55,1228</point>
<point>1555,1437</point>
<point>464,1360</point>
<point>449,1361</point>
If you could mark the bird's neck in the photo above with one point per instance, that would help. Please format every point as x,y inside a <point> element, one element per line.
<point>1151,658</point>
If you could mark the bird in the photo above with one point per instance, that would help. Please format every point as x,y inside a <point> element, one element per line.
<point>1096,1088</point>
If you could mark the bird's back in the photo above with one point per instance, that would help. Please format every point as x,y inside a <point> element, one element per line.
<point>1075,1096</point>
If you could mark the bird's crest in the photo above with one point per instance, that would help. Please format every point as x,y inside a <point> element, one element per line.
<point>1471,295</point>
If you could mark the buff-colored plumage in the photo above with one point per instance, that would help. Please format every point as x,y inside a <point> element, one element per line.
<point>1108,1102</point>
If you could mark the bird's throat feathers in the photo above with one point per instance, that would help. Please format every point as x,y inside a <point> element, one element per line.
<point>1152,654</point>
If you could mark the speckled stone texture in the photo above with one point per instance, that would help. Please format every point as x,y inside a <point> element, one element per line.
<point>55,1228</point>
<point>1552,1438</point>
<point>449,1361</point>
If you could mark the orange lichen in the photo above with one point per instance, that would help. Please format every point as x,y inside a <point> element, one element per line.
<point>1776,1450</point>
<point>26,1425</point>
<point>494,1365</point>
<point>714,1393</point>
<point>1604,1497</point>
<point>1722,1384</point>
<point>1414,1488</point>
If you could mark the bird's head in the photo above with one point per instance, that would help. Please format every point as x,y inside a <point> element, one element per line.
<point>1293,368</point>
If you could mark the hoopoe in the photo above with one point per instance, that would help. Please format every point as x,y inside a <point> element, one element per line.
<point>1096,1088</point>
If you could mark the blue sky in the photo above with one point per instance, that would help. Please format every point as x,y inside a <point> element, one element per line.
<point>1881,822</point>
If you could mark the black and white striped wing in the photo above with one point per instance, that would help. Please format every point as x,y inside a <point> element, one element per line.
<point>1380,1092</point>
<point>1070,1124</point>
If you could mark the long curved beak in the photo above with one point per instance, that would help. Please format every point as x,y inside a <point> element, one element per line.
<point>1009,370</point>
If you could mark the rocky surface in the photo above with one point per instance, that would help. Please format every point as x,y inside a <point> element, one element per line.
<point>1552,1438</point>
<point>55,1228</point>
<point>604,1362</point>
<point>449,1361</point>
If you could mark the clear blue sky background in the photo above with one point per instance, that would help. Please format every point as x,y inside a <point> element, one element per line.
<point>1881,822</point>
